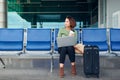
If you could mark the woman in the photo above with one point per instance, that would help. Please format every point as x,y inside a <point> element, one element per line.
<point>68,30</point>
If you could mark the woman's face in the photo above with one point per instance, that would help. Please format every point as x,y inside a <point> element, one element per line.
<point>67,22</point>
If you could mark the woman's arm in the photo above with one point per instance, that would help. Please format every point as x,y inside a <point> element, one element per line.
<point>59,33</point>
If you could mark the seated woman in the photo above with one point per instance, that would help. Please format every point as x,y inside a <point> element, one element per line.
<point>68,30</point>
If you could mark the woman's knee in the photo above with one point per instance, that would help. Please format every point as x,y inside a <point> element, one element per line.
<point>71,49</point>
<point>62,49</point>
<point>62,52</point>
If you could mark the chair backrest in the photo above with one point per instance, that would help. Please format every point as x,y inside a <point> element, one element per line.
<point>78,35</point>
<point>95,36</point>
<point>115,39</point>
<point>11,39</point>
<point>55,38</point>
<point>39,39</point>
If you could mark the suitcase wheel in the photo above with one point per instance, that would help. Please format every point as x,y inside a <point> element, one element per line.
<point>4,67</point>
<point>87,76</point>
<point>97,76</point>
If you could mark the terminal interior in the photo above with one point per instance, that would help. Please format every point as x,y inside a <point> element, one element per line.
<point>50,14</point>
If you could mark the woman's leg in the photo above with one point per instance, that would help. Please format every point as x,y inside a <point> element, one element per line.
<point>62,52</point>
<point>71,54</point>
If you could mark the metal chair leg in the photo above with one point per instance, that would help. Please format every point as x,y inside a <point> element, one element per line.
<point>52,64</point>
<point>2,62</point>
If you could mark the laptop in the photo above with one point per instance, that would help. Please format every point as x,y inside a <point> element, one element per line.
<point>66,41</point>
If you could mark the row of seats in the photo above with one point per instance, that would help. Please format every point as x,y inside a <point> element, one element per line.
<point>42,39</point>
<point>98,36</point>
<point>45,39</point>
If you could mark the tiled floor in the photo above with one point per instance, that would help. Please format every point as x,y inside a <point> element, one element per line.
<point>39,69</point>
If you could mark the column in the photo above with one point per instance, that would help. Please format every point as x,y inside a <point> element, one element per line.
<point>3,14</point>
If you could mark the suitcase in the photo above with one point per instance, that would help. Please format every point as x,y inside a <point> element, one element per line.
<point>91,61</point>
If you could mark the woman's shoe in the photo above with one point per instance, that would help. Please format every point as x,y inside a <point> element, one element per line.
<point>61,72</point>
<point>73,70</point>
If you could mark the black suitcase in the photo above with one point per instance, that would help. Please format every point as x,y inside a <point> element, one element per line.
<point>91,61</point>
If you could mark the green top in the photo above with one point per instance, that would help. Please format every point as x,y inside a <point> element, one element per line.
<point>63,32</point>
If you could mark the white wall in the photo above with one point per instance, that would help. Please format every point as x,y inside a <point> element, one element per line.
<point>112,6</point>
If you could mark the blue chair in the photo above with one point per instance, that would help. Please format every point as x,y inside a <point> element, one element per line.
<point>95,36</point>
<point>11,40</point>
<point>115,39</point>
<point>40,40</point>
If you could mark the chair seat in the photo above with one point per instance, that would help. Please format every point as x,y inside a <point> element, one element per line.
<point>115,47</point>
<point>38,47</point>
<point>102,46</point>
<point>11,46</point>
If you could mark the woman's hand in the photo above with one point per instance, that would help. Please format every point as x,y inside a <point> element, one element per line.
<point>71,33</point>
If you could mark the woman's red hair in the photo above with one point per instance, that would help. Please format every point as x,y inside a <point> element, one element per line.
<point>72,21</point>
